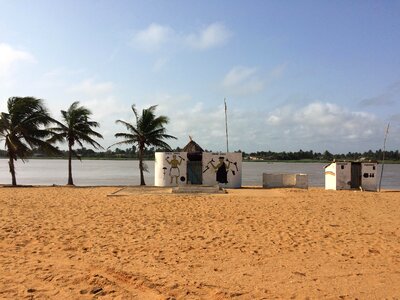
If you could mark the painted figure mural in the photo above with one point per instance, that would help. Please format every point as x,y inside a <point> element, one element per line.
<point>171,169</point>
<point>222,169</point>
<point>174,171</point>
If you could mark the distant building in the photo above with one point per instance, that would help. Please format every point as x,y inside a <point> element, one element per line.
<point>194,166</point>
<point>351,175</point>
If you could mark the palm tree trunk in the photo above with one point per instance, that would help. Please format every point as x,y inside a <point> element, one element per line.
<point>70,181</point>
<point>141,150</point>
<point>12,170</point>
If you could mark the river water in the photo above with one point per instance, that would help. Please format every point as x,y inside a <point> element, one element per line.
<point>126,172</point>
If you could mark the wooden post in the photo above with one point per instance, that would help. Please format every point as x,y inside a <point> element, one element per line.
<point>383,155</point>
<point>226,126</point>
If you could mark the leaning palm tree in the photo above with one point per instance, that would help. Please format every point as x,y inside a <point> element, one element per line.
<point>75,128</point>
<point>148,131</point>
<point>23,128</point>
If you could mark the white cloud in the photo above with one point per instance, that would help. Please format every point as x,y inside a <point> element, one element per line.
<point>318,126</point>
<point>237,75</point>
<point>152,38</point>
<point>105,106</point>
<point>243,81</point>
<point>273,120</point>
<point>190,117</point>
<point>156,37</point>
<point>323,123</point>
<point>90,88</point>
<point>214,35</point>
<point>98,97</point>
<point>10,56</point>
<point>11,60</point>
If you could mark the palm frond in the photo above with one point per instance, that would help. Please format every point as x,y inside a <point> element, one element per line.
<point>135,112</point>
<point>128,126</point>
<point>126,142</point>
<point>89,140</point>
<point>128,136</point>
<point>77,127</point>
<point>149,129</point>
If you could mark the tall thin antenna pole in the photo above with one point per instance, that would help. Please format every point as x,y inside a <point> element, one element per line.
<point>383,155</point>
<point>226,126</point>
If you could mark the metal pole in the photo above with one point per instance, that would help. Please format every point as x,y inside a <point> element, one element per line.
<point>383,155</point>
<point>226,126</point>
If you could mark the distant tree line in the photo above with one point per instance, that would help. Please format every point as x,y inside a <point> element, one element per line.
<point>117,153</point>
<point>325,156</point>
<point>132,153</point>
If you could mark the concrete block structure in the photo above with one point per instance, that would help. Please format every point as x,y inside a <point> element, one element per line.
<point>351,175</point>
<point>196,167</point>
<point>278,180</point>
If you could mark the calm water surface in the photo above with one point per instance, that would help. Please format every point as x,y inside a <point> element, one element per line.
<point>116,172</point>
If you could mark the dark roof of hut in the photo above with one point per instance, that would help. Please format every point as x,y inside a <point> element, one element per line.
<point>192,146</point>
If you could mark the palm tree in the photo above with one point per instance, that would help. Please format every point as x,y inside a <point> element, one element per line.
<point>23,128</point>
<point>148,131</point>
<point>76,128</point>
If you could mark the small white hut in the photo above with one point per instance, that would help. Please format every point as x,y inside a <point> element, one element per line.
<point>351,175</point>
<point>195,167</point>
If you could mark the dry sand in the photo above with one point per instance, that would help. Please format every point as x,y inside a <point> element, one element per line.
<point>77,243</point>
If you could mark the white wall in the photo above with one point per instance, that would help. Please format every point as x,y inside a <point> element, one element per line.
<point>330,177</point>
<point>369,176</point>
<point>165,174</point>
<point>233,162</point>
<point>343,175</point>
<point>338,176</point>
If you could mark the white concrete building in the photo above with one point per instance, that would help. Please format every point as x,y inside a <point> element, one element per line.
<point>351,175</point>
<point>195,167</point>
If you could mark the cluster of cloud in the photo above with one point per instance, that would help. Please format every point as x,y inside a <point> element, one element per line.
<point>9,56</point>
<point>89,87</point>
<point>153,37</point>
<point>190,117</point>
<point>316,126</point>
<point>325,124</point>
<point>156,36</point>
<point>214,35</point>
<point>11,60</point>
<point>100,98</point>
<point>246,81</point>
<point>243,81</point>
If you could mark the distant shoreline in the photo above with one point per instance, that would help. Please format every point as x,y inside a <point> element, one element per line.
<point>244,160</point>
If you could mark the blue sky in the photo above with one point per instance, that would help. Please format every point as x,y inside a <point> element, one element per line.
<point>320,75</point>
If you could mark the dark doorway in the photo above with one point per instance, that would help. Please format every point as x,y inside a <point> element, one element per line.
<point>194,168</point>
<point>355,175</point>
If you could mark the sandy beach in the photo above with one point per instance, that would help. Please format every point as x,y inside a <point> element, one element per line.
<point>251,243</point>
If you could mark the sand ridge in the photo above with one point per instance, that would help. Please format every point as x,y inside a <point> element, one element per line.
<point>251,243</point>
